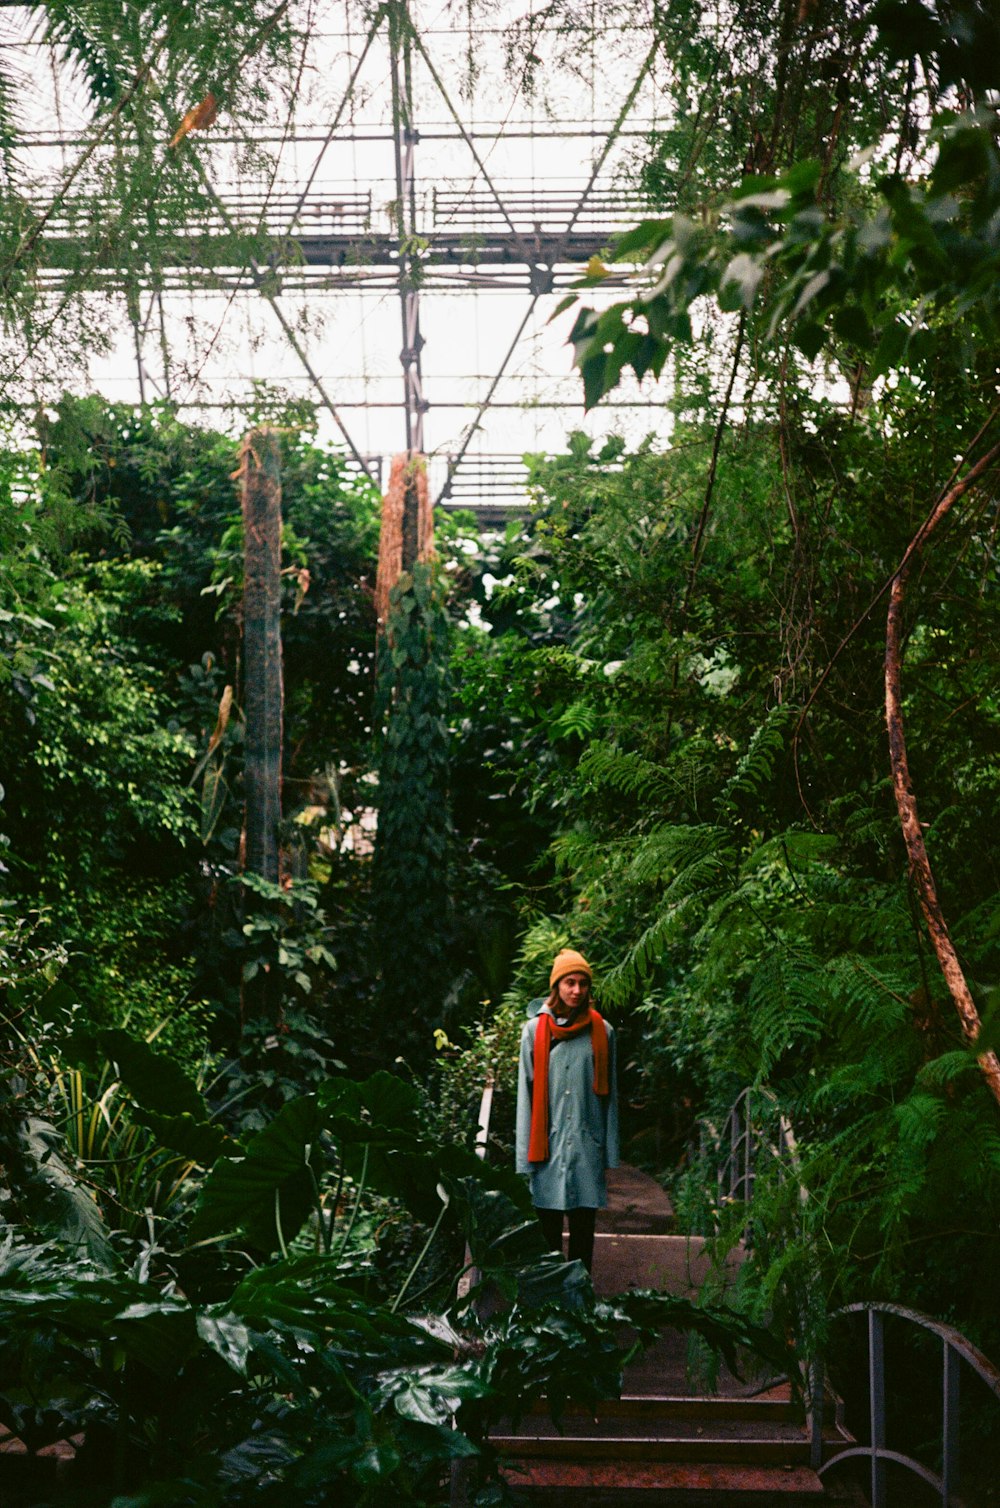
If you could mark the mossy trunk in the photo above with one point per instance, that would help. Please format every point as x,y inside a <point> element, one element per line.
<point>263,690</point>
<point>262,678</point>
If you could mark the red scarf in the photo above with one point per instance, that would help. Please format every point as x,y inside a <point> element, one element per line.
<point>547,1028</point>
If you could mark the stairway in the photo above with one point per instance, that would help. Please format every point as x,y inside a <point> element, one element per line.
<point>653,1450</point>
<point>663,1442</point>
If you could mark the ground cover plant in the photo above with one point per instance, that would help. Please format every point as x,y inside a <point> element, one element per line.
<point>245,1334</point>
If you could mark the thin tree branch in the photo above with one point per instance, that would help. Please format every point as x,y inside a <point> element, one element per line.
<point>906,803</point>
<point>720,429</point>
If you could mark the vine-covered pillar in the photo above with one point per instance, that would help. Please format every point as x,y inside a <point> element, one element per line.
<point>263,694</point>
<point>407,533</point>
<point>263,701</point>
<point>410,869</point>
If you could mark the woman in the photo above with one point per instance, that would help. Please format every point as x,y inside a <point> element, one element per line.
<point>567,1106</point>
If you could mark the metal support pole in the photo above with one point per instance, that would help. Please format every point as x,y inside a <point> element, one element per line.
<point>949,1431</point>
<point>876,1393</point>
<point>748,1155</point>
<point>816,1384</point>
<point>405,139</point>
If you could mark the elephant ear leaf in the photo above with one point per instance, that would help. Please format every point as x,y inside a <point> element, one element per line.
<point>197,1140</point>
<point>376,1126</point>
<point>391,1101</point>
<point>153,1077</point>
<point>53,1198</point>
<point>268,1192</point>
<point>377,1109</point>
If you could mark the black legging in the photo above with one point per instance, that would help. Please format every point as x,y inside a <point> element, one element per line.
<point>581,1232</point>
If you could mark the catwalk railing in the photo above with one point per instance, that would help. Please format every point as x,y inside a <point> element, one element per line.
<point>338,226</point>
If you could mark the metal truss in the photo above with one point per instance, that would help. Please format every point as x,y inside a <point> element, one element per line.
<point>318,237</point>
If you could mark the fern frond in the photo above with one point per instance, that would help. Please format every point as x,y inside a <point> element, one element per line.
<point>988,1147</point>
<point>867,1079</point>
<point>756,769</point>
<point>12,85</point>
<point>608,765</point>
<point>788,1004</point>
<point>624,978</point>
<point>79,29</point>
<point>918,1121</point>
<point>579,853</point>
<point>685,855</point>
<point>870,994</point>
<point>946,1068</point>
<point>794,850</point>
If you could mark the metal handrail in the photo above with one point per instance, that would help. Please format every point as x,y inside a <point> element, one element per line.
<point>463,1471</point>
<point>469,1272</point>
<point>735,1179</point>
<point>955,1348</point>
<point>736,1173</point>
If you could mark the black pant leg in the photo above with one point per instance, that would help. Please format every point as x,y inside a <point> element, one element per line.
<point>551,1222</point>
<point>581,1236</point>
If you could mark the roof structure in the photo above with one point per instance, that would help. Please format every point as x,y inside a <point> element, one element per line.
<point>434,182</point>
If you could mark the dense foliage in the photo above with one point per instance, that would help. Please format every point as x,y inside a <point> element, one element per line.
<point>649,722</point>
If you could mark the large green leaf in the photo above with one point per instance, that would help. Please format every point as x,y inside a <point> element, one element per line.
<point>307,1294</point>
<point>226,1334</point>
<point>52,1197</point>
<point>273,1182</point>
<point>371,1110</point>
<point>160,1333</point>
<point>725,1330</point>
<point>202,1142</point>
<point>154,1078</point>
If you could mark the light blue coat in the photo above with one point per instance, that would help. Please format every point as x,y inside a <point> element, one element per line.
<point>583,1126</point>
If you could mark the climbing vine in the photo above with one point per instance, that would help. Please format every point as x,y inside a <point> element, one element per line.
<point>411,904</point>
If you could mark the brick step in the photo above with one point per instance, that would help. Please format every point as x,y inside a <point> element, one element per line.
<point>775,1405</point>
<point>733,1448</point>
<point>648,1484</point>
<point>635,1412</point>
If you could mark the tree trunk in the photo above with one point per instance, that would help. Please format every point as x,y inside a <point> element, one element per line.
<point>262,679</point>
<point>906,803</point>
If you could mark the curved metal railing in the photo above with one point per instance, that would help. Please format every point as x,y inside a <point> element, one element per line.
<point>955,1349</point>
<point>739,1147</point>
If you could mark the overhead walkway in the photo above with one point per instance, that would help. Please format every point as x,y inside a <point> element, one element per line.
<point>313,236</point>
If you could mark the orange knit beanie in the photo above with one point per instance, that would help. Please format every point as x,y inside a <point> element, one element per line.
<point>568,962</point>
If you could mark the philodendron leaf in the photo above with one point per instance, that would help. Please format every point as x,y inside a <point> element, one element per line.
<point>725,1330</point>
<point>160,1334</point>
<point>431,1395</point>
<point>54,1199</point>
<point>307,1295</point>
<point>375,1124</point>
<point>268,1192</point>
<point>364,1111</point>
<point>154,1078</point>
<point>227,1335</point>
<point>195,1139</point>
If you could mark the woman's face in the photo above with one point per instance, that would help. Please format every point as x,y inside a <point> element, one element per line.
<point>574,992</point>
